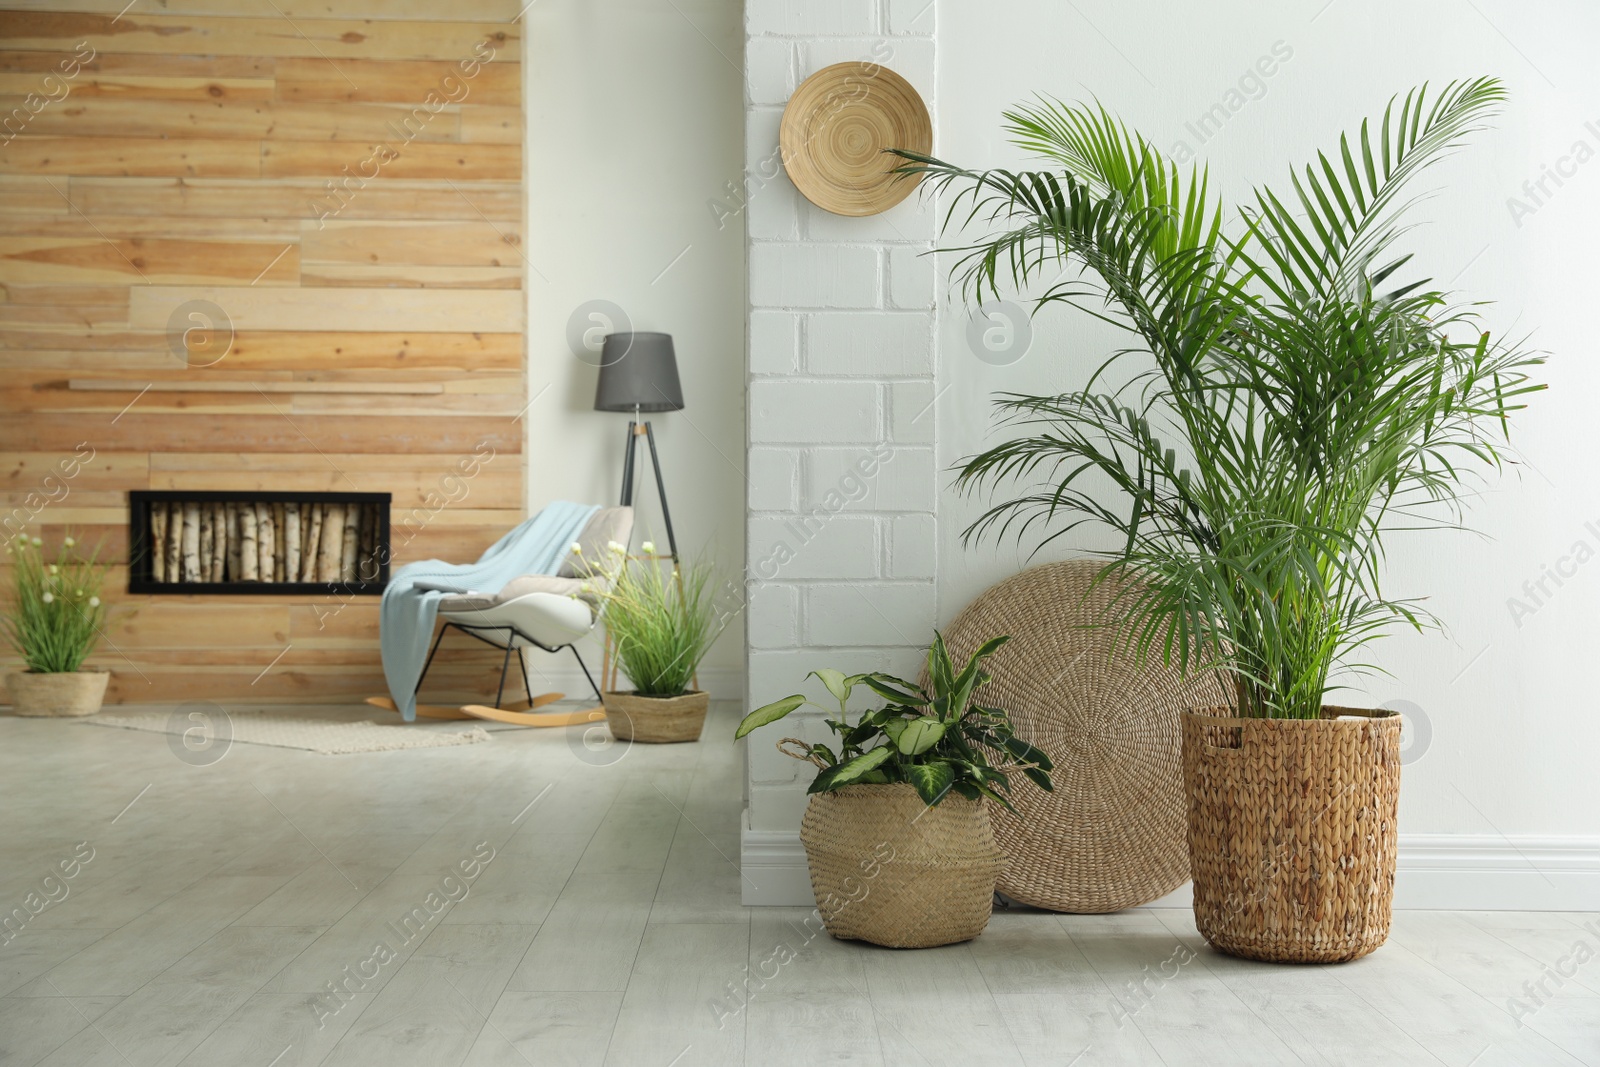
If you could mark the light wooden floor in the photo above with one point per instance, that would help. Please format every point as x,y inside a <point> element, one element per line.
<point>608,925</point>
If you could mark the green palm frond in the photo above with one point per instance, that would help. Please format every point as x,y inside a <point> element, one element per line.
<point>1297,400</point>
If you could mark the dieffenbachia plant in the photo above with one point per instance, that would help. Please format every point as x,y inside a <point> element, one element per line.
<point>939,740</point>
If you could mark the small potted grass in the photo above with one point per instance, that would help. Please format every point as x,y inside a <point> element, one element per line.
<point>54,623</point>
<point>661,619</point>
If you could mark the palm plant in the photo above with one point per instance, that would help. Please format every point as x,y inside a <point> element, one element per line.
<point>1295,402</point>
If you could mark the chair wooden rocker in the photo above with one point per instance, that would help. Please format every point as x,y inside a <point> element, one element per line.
<point>549,612</point>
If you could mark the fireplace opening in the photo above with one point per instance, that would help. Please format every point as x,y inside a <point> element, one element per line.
<point>257,542</point>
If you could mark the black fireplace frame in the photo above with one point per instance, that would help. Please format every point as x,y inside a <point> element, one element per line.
<point>140,578</point>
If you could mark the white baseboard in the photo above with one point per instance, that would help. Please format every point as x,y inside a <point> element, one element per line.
<point>1443,872</point>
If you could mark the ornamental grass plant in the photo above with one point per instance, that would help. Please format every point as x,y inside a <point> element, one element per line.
<point>662,618</point>
<point>56,613</point>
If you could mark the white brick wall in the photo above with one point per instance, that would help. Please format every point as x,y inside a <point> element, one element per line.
<point>774,342</point>
<point>898,479</point>
<point>812,17</point>
<point>805,411</point>
<point>813,544</point>
<point>868,343</point>
<point>848,613</point>
<point>843,481</point>
<point>774,479</point>
<point>814,275</point>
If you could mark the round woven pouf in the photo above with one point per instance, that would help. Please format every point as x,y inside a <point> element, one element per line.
<point>1112,834</point>
<point>836,130</point>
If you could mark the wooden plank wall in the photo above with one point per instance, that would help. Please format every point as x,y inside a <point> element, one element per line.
<point>242,192</point>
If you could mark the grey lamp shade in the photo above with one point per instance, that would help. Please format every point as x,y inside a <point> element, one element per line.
<point>638,371</point>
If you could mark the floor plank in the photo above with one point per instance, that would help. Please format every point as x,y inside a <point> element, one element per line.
<point>230,912</point>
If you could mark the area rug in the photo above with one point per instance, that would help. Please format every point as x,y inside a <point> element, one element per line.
<point>311,731</point>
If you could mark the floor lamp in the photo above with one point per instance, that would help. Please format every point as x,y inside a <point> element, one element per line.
<point>639,374</point>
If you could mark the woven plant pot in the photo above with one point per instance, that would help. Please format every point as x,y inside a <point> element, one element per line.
<point>887,869</point>
<point>656,720</point>
<point>1292,832</point>
<point>68,694</point>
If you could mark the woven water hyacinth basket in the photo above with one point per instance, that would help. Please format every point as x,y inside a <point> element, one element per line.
<point>1111,835</point>
<point>887,869</point>
<point>1292,832</point>
<point>656,720</point>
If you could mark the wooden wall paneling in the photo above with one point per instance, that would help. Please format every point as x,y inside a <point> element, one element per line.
<point>169,66</point>
<point>276,232</point>
<point>210,154</point>
<point>136,87</point>
<point>455,435</point>
<point>401,10</point>
<point>179,120</point>
<point>151,306</point>
<point>380,198</point>
<point>92,259</point>
<point>28,315</point>
<point>313,350</point>
<point>65,295</point>
<point>113,156</point>
<point>461,162</point>
<point>31,197</point>
<point>137,32</point>
<point>433,243</point>
<point>496,83</point>
<point>411,277</point>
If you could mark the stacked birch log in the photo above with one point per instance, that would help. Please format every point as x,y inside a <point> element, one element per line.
<point>244,541</point>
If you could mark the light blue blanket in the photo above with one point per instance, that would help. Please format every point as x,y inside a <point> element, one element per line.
<point>537,546</point>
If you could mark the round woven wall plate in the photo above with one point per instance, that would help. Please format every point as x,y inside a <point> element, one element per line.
<point>835,132</point>
<point>1112,834</point>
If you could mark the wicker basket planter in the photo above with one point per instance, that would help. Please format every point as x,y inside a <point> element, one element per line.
<point>887,869</point>
<point>1292,833</point>
<point>67,694</point>
<point>656,720</point>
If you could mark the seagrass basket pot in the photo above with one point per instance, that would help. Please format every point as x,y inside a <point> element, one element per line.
<point>888,869</point>
<point>1292,836</point>
<point>656,720</point>
<point>67,694</point>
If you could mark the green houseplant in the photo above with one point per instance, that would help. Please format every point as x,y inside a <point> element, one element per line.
<point>54,624</point>
<point>1290,396</point>
<point>661,619</point>
<point>897,842</point>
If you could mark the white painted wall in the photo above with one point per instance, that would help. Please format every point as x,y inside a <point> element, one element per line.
<point>634,131</point>
<point>1504,792</point>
